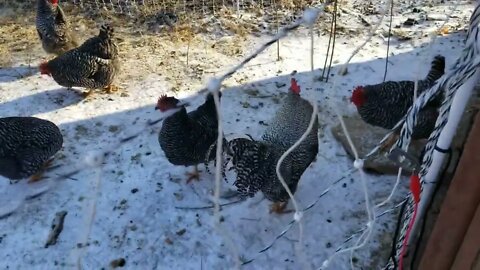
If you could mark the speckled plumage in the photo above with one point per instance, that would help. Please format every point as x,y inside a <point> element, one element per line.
<point>255,161</point>
<point>53,28</point>
<point>92,65</point>
<point>386,103</point>
<point>26,143</point>
<point>186,138</point>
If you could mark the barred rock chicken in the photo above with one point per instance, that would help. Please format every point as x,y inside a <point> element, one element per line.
<point>385,104</point>
<point>26,146</point>
<point>53,28</point>
<point>255,161</point>
<point>188,138</point>
<point>92,65</point>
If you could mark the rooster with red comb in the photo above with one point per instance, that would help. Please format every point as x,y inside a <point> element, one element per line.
<point>385,104</point>
<point>255,161</point>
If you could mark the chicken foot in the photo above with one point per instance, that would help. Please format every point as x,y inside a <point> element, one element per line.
<point>193,175</point>
<point>88,93</point>
<point>111,88</point>
<point>279,208</point>
<point>39,175</point>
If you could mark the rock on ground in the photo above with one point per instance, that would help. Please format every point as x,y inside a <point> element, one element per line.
<point>365,137</point>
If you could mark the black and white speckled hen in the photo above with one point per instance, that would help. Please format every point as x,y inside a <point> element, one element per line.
<point>386,103</point>
<point>255,161</point>
<point>187,138</point>
<point>26,146</point>
<point>92,65</point>
<point>53,28</point>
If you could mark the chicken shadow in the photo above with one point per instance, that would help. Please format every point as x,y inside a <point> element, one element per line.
<point>11,74</point>
<point>41,102</point>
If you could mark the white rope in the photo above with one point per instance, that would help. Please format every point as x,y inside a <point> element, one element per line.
<point>309,18</point>
<point>215,88</point>
<point>369,37</point>
<point>90,211</point>
<point>462,77</point>
<point>358,164</point>
<point>283,32</point>
<point>429,49</point>
<point>365,228</point>
<point>394,189</point>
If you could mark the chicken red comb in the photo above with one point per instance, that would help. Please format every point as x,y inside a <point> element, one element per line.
<point>54,2</point>
<point>294,87</point>
<point>165,103</point>
<point>162,98</point>
<point>358,96</point>
<point>43,67</point>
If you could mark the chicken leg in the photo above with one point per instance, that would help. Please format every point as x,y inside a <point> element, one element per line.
<point>38,176</point>
<point>279,208</point>
<point>110,89</point>
<point>193,175</point>
<point>88,93</point>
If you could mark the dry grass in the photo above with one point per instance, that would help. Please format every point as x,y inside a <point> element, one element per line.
<point>197,45</point>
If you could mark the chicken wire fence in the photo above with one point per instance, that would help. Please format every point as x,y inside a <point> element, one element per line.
<point>204,6</point>
<point>466,67</point>
<point>170,12</point>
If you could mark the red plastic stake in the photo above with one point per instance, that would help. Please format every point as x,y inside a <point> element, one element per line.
<point>415,188</point>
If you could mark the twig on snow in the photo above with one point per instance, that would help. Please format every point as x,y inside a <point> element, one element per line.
<point>57,227</point>
<point>207,206</point>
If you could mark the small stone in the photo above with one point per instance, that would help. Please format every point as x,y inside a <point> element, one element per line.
<point>113,129</point>
<point>365,137</point>
<point>179,196</point>
<point>410,22</point>
<point>181,232</point>
<point>280,84</point>
<point>118,263</point>
<point>135,190</point>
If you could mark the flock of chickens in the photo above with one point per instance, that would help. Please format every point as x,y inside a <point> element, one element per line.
<point>27,144</point>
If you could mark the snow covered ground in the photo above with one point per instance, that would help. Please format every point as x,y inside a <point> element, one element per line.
<point>140,208</point>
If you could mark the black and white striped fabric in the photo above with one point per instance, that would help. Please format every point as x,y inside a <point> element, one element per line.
<point>464,68</point>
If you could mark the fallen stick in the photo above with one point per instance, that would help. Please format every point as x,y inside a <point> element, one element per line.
<point>208,206</point>
<point>57,227</point>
